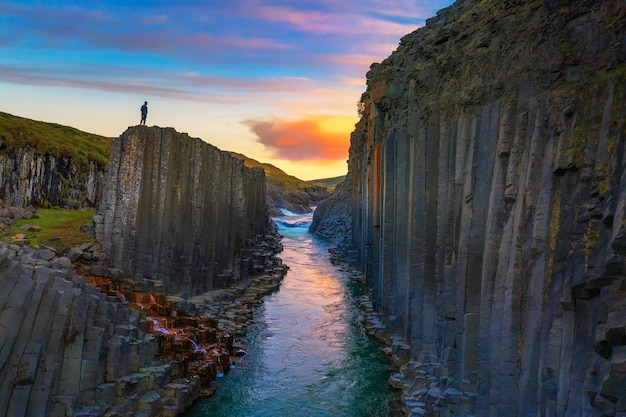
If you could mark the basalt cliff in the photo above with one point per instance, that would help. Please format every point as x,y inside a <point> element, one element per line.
<point>177,209</point>
<point>487,202</point>
<point>27,177</point>
<point>46,164</point>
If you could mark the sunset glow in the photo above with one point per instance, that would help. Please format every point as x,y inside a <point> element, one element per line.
<point>277,81</point>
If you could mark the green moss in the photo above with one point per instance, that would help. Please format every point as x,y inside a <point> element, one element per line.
<point>54,139</point>
<point>555,226</point>
<point>516,24</point>
<point>591,238</point>
<point>576,150</point>
<point>603,184</point>
<point>566,50</point>
<point>618,73</point>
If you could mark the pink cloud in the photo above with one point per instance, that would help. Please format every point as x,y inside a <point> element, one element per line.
<point>250,85</point>
<point>35,77</point>
<point>347,23</point>
<point>307,21</point>
<point>77,28</point>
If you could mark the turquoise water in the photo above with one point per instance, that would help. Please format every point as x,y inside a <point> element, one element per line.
<point>307,355</point>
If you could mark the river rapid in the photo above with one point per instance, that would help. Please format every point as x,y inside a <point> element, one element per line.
<point>308,354</point>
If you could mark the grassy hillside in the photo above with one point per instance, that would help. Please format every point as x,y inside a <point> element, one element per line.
<point>54,139</point>
<point>275,175</point>
<point>329,183</point>
<point>60,228</point>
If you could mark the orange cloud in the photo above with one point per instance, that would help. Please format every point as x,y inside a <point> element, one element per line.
<point>313,138</point>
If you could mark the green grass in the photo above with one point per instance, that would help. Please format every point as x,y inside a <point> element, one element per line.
<point>274,175</point>
<point>54,139</point>
<point>329,183</point>
<point>60,228</point>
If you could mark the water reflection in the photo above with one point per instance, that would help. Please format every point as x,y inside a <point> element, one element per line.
<point>308,356</point>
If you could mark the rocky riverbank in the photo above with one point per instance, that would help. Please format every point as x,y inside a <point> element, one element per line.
<point>82,339</point>
<point>377,327</point>
<point>418,379</point>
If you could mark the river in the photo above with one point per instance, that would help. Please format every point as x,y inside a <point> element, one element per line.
<point>308,354</point>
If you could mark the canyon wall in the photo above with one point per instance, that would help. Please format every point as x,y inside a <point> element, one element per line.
<point>177,209</point>
<point>487,180</point>
<point>27,177</point>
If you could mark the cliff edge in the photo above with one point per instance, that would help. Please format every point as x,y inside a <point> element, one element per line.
<point>487,189</point>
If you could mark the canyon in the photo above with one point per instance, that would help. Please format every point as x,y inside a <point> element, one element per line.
<point>143,321</point>
<point>80,339</point>
<point>485,206</point>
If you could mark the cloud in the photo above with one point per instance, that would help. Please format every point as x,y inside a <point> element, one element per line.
<point>320,138</point>
<point>285,95</point>
<point>331,22</point>
<point>29,76</point>
<point>266,36</point>
<point>250,85</point>
<point>80,29</point>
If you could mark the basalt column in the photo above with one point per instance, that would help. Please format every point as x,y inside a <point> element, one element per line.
<point>487,177</point>
<point>179,210</point>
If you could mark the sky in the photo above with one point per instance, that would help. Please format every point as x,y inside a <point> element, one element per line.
<point>276,80</point>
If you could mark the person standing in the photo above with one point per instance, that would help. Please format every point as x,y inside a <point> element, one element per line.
<point>144,113</point>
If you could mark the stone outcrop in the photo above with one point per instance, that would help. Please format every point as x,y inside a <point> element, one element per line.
<point>487,188</point>
<point>177,209</point>
<point>332,217</point>
<point>94,344</point>
<point>27,177</point>
<point>68,349</point>
<point>9,214</point>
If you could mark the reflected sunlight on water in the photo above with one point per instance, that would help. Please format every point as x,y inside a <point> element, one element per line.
<point>308,355</point>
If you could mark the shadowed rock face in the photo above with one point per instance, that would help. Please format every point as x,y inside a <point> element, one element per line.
<point>487,187</point>
<point>30,178</point>
<point>180,210</point>
<point>67,348</point>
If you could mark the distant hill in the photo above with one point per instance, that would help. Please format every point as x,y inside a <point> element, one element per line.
<point>329,183</point>
<point>286,191</point>
<point>275,174</point>
<point>53,139</point>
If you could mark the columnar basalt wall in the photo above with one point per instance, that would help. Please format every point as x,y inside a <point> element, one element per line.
<point>488,198</point>
<point>95,345</point>
<point>30,178</point>
<point>68,349</point>
<point>177,209</point>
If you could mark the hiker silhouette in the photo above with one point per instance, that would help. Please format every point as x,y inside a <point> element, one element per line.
<point>144,113</point>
